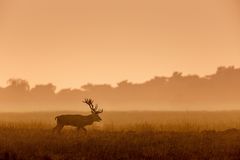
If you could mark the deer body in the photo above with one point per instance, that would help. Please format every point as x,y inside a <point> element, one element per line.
<point>79,121</point>
<point>75,120</point>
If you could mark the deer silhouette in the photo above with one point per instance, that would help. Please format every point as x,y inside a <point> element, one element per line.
<point>79,121</point>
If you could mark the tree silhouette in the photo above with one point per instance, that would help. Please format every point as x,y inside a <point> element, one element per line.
<point>216,91</point>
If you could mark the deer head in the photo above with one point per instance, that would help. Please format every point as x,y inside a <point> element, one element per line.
<point>94,109</point>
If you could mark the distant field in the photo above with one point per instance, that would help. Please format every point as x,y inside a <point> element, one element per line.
<point>123,135</point>
<point>170,121</point>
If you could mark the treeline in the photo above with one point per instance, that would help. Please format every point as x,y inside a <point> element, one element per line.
<point>220,90</point>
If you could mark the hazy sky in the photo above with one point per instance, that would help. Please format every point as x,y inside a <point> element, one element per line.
<point>73,42</point>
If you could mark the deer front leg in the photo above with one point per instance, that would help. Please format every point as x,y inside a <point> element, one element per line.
<point>55,129</point>
<point>58,128</point>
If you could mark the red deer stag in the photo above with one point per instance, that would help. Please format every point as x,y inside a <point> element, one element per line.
<point>79,121</point>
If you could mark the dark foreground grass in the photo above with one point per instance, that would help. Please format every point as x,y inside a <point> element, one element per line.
<point>38,143</point>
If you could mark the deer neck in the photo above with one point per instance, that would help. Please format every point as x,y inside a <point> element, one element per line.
<point>91,117</point>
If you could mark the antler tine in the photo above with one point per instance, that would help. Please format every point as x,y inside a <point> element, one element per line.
<point>97,110</point>
<point>89,102</point>
<point>96,106</point>
<point>94,109</point>
<point>100,111</point>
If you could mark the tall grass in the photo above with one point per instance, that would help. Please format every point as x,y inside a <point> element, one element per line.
<point>182,138</point>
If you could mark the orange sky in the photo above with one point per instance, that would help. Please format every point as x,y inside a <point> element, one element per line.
<point>70,43</point>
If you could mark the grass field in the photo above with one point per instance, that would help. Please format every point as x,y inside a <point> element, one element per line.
<point>123,135</point>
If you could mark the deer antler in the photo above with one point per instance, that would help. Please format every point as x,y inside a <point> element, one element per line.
<point>93,108</point>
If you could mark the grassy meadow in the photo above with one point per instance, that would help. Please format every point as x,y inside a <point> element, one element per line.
<point>123,135</point>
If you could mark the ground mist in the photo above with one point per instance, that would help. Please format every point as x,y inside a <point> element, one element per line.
<point>123,135</point>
